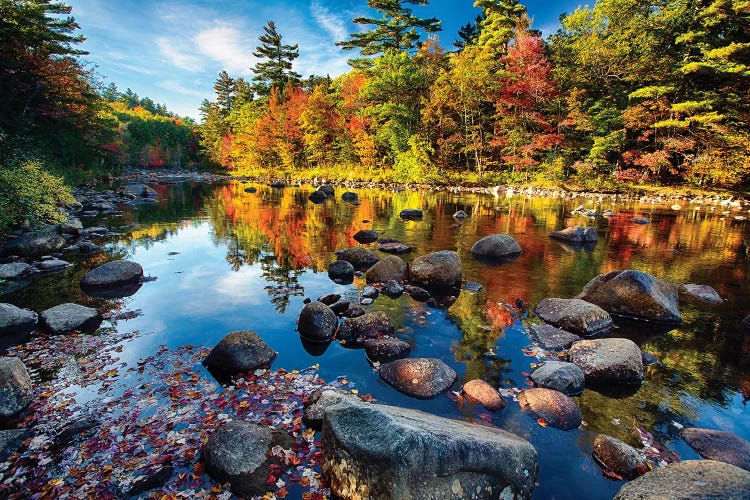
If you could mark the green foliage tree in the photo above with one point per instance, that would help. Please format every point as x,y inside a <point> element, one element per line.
<point>275,68</point>
<point>225,93</point>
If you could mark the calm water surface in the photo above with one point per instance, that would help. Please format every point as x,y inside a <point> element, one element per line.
<point>227,260</point>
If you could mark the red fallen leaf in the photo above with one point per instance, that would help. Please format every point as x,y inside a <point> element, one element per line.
<point>542,422</point>
<point>525,374</point>
<point>612,475</point>
<point>641,470</point>
<point>282,493</point>
<point>367,398</point>
<point>485,417</point>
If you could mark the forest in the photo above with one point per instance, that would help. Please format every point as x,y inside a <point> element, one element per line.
<point>626,93</point>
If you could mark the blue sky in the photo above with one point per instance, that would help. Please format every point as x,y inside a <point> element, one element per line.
<point>172,50</point>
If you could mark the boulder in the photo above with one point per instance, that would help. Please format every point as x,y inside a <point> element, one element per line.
<point>329,298</point>
<point>326,189</point>
<point>703,293</point>
<point>355,311</point>
<point>317,197</point>
<point>691,479</point>
<point>317,322</point>
<point>359,257</point>
<point>460,215</point>
<point>437,272</point>
<point>370,292</point>
<point>422,378</point>
<point>393,289</point>
<point>478,391</point>
<point>557,409</point>
<point>16,321</point>
<point>341,271</point>
<point>473,287</point>
<point>69,317</point>
<point>140,191</point>
<point>238,453</point>
<point>496,247</point>
<point>386,349</point>
<point>349,196</point>
<point>418,294</point>
<point>563,377</point>
<point>552,339</point>
<point>52,265</point>
<point>575,234</point>
<point>320,400</point>
<point>71,226</point>
<point>618,457</point>
<point>393,247</point>
<point>16,391</point>
<point>389,268</point>
<point>366,236</point>
<point>607,361</point>
<point>14,270</point>
<point>411,214</point>
<point>278,184</point>
<point>378,451</point>
<point>574,315</point>
<point>367,326</point>
<point>251,189</point>
<point>239,352</point>
<point>113,274</point>
<point>718,445</point>
<point>34,244</point>
<point>634,294</point>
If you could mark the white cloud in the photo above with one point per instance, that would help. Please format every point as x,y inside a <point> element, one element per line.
<point>178,54</point>
<point>228,46</point>
<point>177,87</point>
<point>333,24</point>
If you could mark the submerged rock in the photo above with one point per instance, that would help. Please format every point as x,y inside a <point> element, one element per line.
<point>557,409</point>
<point>574,315</point>
<point>366,236</point>
<point>14,270</point>
<point>113,274</point>
<point>317,197</point>
<point>563,377</point>
<point>387,269</point>
<point>478,391</point>
<point>576,234</point>
<point>16,391</point>
<point>634,294</point>
<point>11,440</point>
<point>341,271</point>
<point>385,350</point>
<point>691,479</point>
<point>393,247</point>
<point>704,293</point>
<point>606,361</point>
<point>496,247</point>
<point>317,322</point>
<point>378,451</point>
<point>359,257</point>
<point>618,457</point>
<point>34,244</point>
<point>411,214</point>
<point>367,326</point>
<point>52,265</point>
<point>239,352</point>
<point>718,445</point>
<point>417,293</point>
<point>329,298</point>
<point>70,317</point>
<point>16,321</point>
<point>422,378</point>
<point>552,339</point>
<point>349,196</point>
<point>437,272</point>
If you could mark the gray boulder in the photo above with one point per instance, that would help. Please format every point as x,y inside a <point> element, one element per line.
<point>71,226</point>
<point>327,189</point>
<point>341,271</point>
<point>618,457</point>
<point>417,293</point>
<point>238,453</point>
<point>634,294</point>
<point>329,299</point>
<point>437,272</point>
<point>575,234</point>
<point>552,339</point>
<point>703,293</point>
<point>368,326</point>
<point>496,247</point>
<point>317,197</point>
<point>113,274</point>
<point>16,391</point>
<point>718,445</point>
<point>607,361</point>
<point>349,196</point>
<point>378,451</point>
<point>35,244</point>
<point>359,257</point>
<point>366,236</point>
<point>387,269</point>
<point>140,191</point>
<point>317,322</point>
<point>53,265</point>
<point>690,480</point>
<point>393,247</point>
<point>574,315</point>
<point>69,317</point>
<point>560,376</point>
<point>393,289</point>
<point>240,351</point>
<point>16,321</point>
<point>411,214</point>
<point>557,409</point>
<point>385,350</point>
<point>319,402</point>
<point>14,270</point>
<point>422,378</point>
<point>370,292</point>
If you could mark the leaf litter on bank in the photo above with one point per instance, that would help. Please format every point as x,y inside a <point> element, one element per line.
<point>156,414</point>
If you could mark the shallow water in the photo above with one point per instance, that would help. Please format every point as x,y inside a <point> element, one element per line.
<point>227,260</point>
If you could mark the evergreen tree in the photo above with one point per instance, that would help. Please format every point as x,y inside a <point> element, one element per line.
<point>397,29</point>
<point>501,17</point>
<point>276,68</point>
<point>468,34</point>
<point>110,93</point>
<point>224,87</point>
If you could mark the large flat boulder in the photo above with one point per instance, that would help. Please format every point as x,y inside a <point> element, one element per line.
<point>239,352</point>
<point>716,445</point>
<point>704,293</point>
<point>557,409</point>
<point>378,451</point>
<point>552,339</point>
<point>387,269</point>
<point>574,315</point>
<point>496,247</point>
<point>607,361</point>
<point>437,271</point>
<point>34,244</point>
<point>16,391</point>
<point>16,321</point>
<point>421,378</point>
<point>634,294</point>
<point>689,480</point>
<point>113,274</point>
<point>70,317</point>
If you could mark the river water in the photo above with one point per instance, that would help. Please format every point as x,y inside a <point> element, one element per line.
<point>227,260</point>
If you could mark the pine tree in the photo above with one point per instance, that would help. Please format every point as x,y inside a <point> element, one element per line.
<point>501,17</point>
<point>468,34</point>
<point>276,68</point>
<point>224,87</point>
<point>397,29</point>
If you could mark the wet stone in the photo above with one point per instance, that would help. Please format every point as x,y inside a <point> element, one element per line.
<point>618,457</point>
<point>552,339</point>
<point>478,391</point>
<point>370,292</point>
<point>66,318</point>
<point>113,274</point>
<point>317,322</point>
<point>394,247</point>
<point>563,377</point>
<point>574,315</point>
<point>717,445</point>
<point>557,409</point>
<point>421,378</point>
<point>393,289</point>
<point>387,269</point>
<point>329,299</point>
<point>366,236</point>
<point>411,214</point>
<point>341,272</point>
<point>703,293</point>
<point>14,270</point>
<point>417,293</point>
<point>240,351</point>
<point>607,361</point>
<point>340,307</point>
<point>471,286</point>
<point>359,257</point>
<point>16,390</point>
<point>385,350</point>
<point>496,247</point>
<point>16,321</point>
<point>368,326</point>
